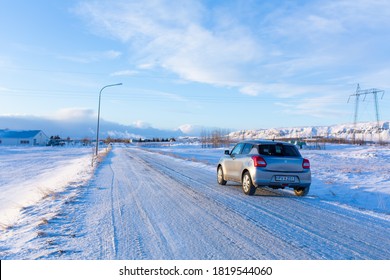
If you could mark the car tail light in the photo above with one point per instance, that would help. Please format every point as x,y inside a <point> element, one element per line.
<point>306,163</point>
<point>258,161</point>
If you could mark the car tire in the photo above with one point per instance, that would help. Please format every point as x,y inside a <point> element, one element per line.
<point>302,191</point>
<point>220,178</point>
<point>247,184</point>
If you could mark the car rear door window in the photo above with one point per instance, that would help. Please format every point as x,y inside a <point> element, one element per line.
<point>247,148</point>
<point>237,149</point>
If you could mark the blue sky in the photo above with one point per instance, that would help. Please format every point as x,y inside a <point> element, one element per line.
<point>228,64</point>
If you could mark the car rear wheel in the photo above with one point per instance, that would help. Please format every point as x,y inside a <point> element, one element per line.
<point>220,178</point>
<point>247,185</point>
<point>302,191</point>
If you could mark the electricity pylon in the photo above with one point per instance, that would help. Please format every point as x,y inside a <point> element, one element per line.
<point>365,92</point>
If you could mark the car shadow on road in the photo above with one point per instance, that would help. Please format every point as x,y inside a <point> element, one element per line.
<point>268,192</point>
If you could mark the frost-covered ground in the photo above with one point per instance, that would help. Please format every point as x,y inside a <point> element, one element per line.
<point>29,174</point>
<point>354,176</point>
<point>53,204</point>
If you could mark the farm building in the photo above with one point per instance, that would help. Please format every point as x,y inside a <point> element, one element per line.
<point>23,137</point>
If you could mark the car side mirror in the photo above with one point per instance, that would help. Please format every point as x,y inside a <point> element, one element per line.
<point>227,152</point>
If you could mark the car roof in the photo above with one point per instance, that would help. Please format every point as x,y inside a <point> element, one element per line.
<point>258,142</point>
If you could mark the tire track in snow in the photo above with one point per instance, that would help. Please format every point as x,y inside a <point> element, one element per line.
<point>293,248</point>
<point>161,229</point>
<point>113,219</point>
<point>164,208</point>
<point>336,235</point>
<point>230,220</point>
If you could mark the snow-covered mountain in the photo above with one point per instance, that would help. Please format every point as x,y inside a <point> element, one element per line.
<point>367,131</point>
<point>86,128</point>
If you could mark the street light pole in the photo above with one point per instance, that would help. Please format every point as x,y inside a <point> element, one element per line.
<point>98,120</point>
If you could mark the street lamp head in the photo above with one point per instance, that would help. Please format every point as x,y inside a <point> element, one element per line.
<point>112,85</point>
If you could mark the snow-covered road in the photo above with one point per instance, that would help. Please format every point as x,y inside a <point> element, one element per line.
<point>144,205</point>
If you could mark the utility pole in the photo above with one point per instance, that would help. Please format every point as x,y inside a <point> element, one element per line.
<point>365,92</point>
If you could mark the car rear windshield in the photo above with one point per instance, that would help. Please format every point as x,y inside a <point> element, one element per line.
<point>279,150</point>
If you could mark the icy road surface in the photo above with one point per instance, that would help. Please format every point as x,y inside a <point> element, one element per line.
<point>144,205</point>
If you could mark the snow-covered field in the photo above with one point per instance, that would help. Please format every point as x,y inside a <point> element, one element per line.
<point>52,199</point>
<point>29,174</point>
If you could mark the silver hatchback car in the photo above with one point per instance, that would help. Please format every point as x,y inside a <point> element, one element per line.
<point>262,163</point>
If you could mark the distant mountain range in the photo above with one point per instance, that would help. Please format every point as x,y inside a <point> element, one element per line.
<point>86,128</point>
<point>367,131</point>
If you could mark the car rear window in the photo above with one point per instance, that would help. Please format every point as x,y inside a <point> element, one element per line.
<point>280,150</point>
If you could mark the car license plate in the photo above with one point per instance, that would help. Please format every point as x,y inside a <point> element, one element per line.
<point>285,178</point>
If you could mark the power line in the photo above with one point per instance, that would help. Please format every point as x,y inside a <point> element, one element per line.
<point>365,92</point>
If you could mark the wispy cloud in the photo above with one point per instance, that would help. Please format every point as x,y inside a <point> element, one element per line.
<point>155,94</point>
<point>124,73</point>
<point>4,89</point>
<point>179,38</point>
<point>191,129</point>
<point>317,107</point>
<point>141,124</point>
<point>68,114</point>
<point>92,56</point>
<point>223,44</point>
<point>327,35</point>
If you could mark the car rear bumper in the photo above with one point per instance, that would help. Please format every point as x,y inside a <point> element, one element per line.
<point>262,178</point>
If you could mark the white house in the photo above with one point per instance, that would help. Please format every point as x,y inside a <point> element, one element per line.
<point>23,137</point>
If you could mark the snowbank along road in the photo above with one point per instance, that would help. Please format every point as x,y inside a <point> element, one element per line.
<point>144,205</point>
